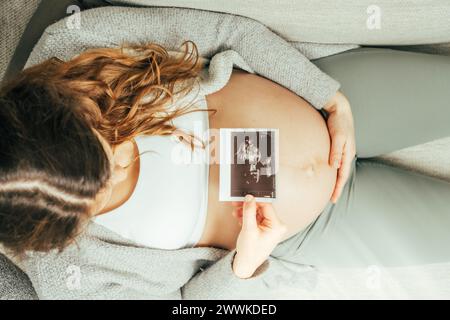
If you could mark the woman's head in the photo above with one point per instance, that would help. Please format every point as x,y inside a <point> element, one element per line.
<point>51,168</point>
<point>61,126</point>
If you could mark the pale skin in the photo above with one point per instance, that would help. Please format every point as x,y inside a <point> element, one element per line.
<point>260,227</point>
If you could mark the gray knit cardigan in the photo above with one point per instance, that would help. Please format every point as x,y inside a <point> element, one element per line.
<point>103,265</point>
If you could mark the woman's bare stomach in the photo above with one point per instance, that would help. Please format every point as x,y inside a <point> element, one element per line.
<point>305,181</point>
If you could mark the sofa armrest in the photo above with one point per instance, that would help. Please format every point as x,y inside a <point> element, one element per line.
<point>14,283</point>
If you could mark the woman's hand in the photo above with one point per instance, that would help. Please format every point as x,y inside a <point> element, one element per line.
<point>261,231</point>
<point>343,146</point>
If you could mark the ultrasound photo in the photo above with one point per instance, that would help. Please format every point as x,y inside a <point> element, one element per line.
<point>250,164</point>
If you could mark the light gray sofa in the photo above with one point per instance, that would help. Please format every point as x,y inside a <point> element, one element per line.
<point>297,20</point>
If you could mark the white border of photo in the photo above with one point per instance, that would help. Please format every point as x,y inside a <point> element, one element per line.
<point>226,161</point>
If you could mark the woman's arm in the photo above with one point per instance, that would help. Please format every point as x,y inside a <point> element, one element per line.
<point>265,52</point>
<point>249,270</point>
<point>220,282</point>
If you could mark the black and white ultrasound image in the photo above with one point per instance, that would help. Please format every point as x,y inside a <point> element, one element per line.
<point>253,165</point>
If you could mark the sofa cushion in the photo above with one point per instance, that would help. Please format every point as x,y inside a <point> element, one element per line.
<point>14,283</point>
<point>47,12</point>
<point>14,16</point>
<point>364,22</point>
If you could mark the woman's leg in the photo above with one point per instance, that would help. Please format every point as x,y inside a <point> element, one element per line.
<point>386,216</point>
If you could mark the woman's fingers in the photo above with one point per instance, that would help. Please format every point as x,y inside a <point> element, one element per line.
<point>337,150</point>
<point>258,212</point>
<point>268,212</point>
<point>342,132</point>
<point>269,218</point>
<point>343,172</point>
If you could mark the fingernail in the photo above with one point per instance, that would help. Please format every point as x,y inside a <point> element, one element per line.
<point>248,198</point>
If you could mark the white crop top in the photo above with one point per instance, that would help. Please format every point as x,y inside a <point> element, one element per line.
<point>168,207</point>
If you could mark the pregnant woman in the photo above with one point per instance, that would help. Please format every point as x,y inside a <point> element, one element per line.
<point>93,157</point>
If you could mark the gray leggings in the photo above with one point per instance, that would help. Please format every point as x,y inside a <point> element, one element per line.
<point>386,216</point>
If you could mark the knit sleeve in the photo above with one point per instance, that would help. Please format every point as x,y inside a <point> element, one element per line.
<point>219,281</point>
<point>265,52</point>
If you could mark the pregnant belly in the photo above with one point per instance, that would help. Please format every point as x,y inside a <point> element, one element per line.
<point>305,181</point>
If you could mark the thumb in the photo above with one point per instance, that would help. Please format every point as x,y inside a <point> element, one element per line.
<point>249,212</point>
